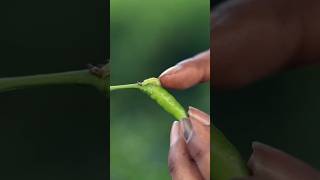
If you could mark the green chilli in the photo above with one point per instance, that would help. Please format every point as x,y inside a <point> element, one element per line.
<point>152,87</point>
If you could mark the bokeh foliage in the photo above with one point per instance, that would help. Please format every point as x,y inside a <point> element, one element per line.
<point>146,38</point>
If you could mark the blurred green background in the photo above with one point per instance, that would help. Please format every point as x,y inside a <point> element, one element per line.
<point>146,38</point>
<point>282,111</point>
<point>53,133</point>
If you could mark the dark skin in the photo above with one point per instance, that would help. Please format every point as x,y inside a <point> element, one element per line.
<point>251,39</point>
<point>256,38</point>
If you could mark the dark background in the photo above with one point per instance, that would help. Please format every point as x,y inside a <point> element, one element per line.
<point>53,132</point>
<point>282,111</point>
<point>214,3</point>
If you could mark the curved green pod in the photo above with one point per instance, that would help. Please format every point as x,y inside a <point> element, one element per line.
<point>152,87</point>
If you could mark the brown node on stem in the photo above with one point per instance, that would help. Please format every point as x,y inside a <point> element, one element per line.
<point>100,70</point>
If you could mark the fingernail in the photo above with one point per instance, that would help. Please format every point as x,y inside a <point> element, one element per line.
<point>171,71</point>
<point>187,130</point>
<point>174,135</point>
<point>199,116</point>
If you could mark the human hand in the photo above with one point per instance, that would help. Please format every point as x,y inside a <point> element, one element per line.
<point>189,155</point>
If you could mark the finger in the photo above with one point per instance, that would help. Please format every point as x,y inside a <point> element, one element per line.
<point>188,72</point>
<point>253,39</point>
<point>197,137</point>
<point>269,163</point>
<point>180,164</point>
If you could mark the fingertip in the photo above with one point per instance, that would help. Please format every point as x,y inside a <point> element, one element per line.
<point>184,78</point>
<point>186,73</point>
<point>172,82</point>
<point>199,116</point>
<point>174,135</point>
<point>172,70</point>
<point>173,77</point>
<point>165,81</point>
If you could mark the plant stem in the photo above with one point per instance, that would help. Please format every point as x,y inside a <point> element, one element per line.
<point>126,86</point>
<point>81,77</point>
